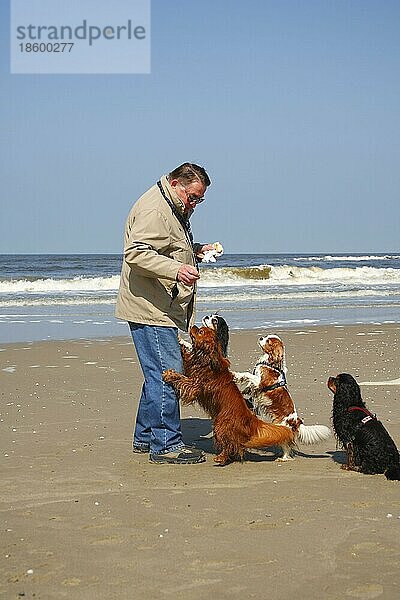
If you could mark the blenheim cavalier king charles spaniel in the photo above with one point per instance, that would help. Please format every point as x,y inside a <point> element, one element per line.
<point>221,328</point>
<point>266,390</point>
<point>369,447</point>
<point>209,382</point>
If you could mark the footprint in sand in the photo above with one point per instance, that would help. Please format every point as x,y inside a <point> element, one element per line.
<point>109,541</point>
<point>71,581</point>
<point>365,591</point>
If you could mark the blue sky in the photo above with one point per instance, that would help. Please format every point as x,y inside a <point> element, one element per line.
<point>292,107</point>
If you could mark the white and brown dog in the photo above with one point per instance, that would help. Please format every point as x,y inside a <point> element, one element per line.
<point>266,390</point>
<point>221,328</point>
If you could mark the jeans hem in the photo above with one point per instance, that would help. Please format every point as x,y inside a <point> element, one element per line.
<point>171,449</point>
<point>141,445</point>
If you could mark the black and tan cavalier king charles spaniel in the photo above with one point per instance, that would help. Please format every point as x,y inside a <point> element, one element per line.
<point>369,447</point>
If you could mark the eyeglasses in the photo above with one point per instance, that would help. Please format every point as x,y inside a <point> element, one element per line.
<point>193,199</point>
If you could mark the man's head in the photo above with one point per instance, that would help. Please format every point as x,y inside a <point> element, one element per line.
<point>190,183</point>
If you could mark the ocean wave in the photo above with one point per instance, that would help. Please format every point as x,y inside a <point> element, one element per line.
<point>292,275</point>
<point>349,258</point>
<point>50,285</point>
<point>216,277</point>
<point>211,294</point>
<point>54,301</point>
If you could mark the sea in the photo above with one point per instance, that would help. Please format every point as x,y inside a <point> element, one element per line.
<point>54,296</point>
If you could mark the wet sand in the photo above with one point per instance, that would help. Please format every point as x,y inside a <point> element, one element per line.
<point>84,518</point>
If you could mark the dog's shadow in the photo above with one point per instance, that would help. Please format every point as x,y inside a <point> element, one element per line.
<point>338,456</point>
<point>274,452</point>
<point>199,433</point>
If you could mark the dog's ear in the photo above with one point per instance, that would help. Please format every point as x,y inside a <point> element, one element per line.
<point>211,348</point>
<point>217,361</point>
<point>346,381</point>
<point>278,351</point>
<point>331,383</point>
<point>348,390</point>
<point>223,335</point>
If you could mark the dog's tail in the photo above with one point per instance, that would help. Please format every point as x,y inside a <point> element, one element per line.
<point>393,473</point>
<point>312,434</point>
<point>267,434</point>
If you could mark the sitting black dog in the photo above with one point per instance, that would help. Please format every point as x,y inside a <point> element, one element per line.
<point>369,447</point>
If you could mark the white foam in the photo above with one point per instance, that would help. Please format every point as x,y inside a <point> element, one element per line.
<point>16,321</point>
<point>303,332</point>
<point>350,258</point>
<point>75,284</point>
<point>305,321</point>
<point>289,275</point>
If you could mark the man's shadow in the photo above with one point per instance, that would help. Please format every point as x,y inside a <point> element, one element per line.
<point>199,433</point>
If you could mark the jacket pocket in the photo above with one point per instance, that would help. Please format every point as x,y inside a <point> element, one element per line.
<point>170,286</point>
<point>184,293</point>
<point>178,292</point>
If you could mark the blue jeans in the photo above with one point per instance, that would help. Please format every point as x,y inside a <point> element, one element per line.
<point>158,423</point>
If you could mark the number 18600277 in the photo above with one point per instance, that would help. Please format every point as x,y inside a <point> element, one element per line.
<point>46,47</point>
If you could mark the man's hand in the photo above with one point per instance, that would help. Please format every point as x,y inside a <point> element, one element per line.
<point>206,247</point>
<point>210,252</point>
<point>202,249</point>
<point>187,274</point>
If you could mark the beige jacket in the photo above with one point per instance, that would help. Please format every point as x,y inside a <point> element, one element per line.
<point>155,246</point>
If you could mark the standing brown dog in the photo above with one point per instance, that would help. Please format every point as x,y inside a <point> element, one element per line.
<point>211,385</point>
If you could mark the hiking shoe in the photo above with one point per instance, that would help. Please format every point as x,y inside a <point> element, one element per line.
<point>140,449</point>
<point>180,456</point>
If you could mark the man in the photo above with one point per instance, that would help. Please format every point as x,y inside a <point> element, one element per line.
<point>156,297</point>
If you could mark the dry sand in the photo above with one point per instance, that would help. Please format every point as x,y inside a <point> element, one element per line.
<point>84,518</point>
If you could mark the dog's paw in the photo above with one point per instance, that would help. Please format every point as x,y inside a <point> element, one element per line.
<point>222,459</point>
<point>170,376</point>
<point>185,344</point>
<point>284,458</point>
<point>347,468</point>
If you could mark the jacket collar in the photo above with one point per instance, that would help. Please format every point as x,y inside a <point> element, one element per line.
<point>169,190</point>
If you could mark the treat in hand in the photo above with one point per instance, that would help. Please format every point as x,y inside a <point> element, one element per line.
<point>212,255</point>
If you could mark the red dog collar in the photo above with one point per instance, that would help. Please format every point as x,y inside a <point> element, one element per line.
<point>369,416</point>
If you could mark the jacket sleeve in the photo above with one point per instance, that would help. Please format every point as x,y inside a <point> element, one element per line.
<point>146,244</point>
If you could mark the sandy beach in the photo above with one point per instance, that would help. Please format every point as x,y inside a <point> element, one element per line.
<point>84,518</point>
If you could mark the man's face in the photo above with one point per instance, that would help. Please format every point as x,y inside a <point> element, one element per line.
<point>191,194</point>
